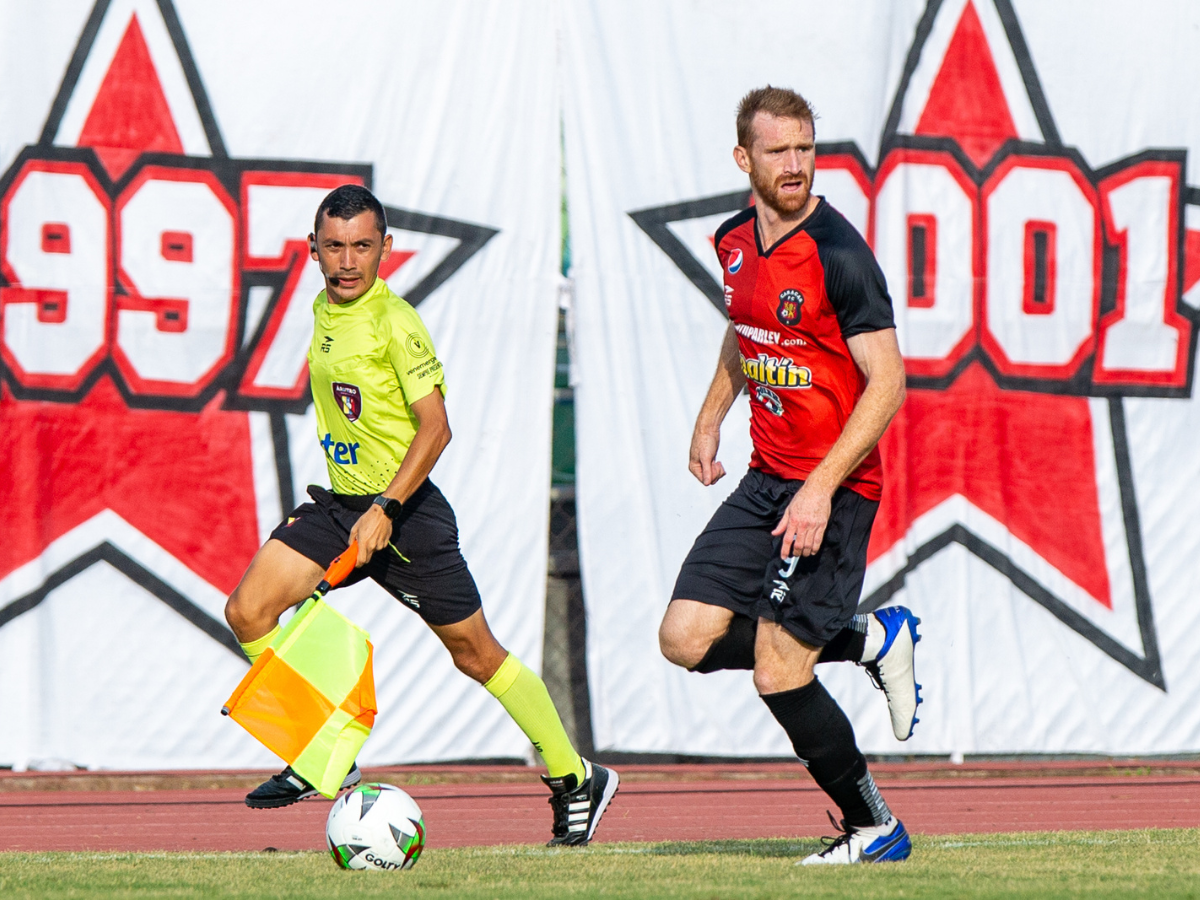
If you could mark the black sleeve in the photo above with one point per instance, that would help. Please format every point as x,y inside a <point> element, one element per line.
<point>853,280</point>
<point>728,225</point>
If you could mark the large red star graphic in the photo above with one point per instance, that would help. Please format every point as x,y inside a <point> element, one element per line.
<point>181,478</point>
<point>1020,463</point>
<point>1024,458</point>
<point>116,429</point>
<point>1007,452</point>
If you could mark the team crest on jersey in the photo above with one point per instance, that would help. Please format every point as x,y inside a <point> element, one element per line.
<point>349,400</point>
<point>788,310</point>
<point>1033,294</point>
<point>735,261</point>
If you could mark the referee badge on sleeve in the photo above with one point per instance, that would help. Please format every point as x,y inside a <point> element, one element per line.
<point>417,347</point>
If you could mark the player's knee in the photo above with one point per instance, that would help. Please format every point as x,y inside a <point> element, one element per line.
<point>774,678</point>
<point>765,681</point>
<point>241,614</point>
<point>680,646</point>
<point>236,614</point>
<point>471,662</point>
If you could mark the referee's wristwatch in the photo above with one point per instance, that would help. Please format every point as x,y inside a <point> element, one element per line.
<point>391,508</point>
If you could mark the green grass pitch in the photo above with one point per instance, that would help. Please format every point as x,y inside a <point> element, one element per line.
<point>1157,863</point>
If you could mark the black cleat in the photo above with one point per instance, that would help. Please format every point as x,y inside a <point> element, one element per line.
<point>287,788</point>
<point>577,809</point>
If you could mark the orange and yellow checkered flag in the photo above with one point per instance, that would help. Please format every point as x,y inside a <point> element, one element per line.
<point>310,698</point>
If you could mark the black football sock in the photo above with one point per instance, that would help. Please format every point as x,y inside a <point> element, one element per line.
<point>823,738</point>
<point>735,650</point>
<point>848,644</point>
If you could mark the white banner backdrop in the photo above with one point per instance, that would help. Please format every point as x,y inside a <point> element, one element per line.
<point>1042,477</point>
<point>178,151</point>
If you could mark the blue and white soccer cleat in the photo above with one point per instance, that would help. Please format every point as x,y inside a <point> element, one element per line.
<point>892,669</point>
<point>862,846</point>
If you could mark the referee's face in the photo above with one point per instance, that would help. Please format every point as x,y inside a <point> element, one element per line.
<point>780,161</point>
<point>349,252</point>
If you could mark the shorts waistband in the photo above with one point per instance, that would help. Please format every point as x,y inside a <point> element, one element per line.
<point>356,502</point>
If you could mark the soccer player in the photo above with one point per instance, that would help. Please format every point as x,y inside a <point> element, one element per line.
<point>812,336</point>
<point>378,388</point>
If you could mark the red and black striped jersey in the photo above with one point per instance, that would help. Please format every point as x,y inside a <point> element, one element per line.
<point>793,305</point>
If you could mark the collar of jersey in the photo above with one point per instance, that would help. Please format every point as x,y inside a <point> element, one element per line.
<point>804,223</point>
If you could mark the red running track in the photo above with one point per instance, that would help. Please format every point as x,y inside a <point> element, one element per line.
<point>645,810</point>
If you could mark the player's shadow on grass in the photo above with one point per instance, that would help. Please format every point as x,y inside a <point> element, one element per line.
<point>766,848</point>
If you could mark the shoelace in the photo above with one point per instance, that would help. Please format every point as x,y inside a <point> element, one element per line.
<point>286,776</point>
<point>561,804</point>
<point>876,679</point>
<point>832,843</point>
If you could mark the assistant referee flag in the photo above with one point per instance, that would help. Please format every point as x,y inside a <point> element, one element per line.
<point>310,698</point>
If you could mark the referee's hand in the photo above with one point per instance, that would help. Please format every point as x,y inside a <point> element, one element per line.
<point>702,460</point>
<point>373,530</point>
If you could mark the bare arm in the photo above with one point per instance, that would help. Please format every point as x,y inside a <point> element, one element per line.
<point>877,355</point>
<point>373,530</point>
<point>727,383</point>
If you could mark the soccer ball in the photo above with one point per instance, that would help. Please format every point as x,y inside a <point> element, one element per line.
<point>375,826</point>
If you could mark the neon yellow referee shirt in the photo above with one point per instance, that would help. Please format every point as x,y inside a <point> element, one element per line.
<point>369,361</point>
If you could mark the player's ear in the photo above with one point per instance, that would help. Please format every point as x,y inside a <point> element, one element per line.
<point>312,245</point>
<point>742,157</point>
<point>387,247</point>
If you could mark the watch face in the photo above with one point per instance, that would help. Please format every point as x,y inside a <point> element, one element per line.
<point>391,508</point>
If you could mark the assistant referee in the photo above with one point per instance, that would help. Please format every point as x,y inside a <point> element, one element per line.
<point>378,389</point>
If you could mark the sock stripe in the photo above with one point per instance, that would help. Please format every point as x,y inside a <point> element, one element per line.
<point>874,799</point>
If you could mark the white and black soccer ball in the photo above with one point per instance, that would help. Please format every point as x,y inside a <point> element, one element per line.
<point>375,826</point>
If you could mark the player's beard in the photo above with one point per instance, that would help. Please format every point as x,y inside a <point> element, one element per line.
<point>773,196</point>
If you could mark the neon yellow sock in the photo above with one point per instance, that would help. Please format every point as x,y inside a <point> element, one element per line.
<point>254,649</point>
<point>526,699</point>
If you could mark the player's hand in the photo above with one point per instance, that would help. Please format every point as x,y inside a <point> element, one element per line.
<point>702,460</point>
<point>373,530</point>
<point>803,523</point>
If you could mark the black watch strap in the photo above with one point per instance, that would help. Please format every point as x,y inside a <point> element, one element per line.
<point>391,508</point>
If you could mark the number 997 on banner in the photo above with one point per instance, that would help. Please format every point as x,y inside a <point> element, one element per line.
<point>147,277</point>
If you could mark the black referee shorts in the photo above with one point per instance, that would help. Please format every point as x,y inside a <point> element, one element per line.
<point>423,568</point>
<point>735,562</point>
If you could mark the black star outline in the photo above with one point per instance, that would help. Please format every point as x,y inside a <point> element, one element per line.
<point>228,170</point>
<point>654,221</point>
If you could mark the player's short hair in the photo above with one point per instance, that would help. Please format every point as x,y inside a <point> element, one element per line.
<point>346,202</point>
<point>781,102</point>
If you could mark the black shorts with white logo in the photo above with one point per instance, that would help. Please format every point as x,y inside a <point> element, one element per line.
<point>735,562</point>
<point>423,568</point>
